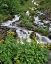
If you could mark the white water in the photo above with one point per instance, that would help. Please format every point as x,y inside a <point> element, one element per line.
<point>27,13</point>
<point>22,31</point>
<point>9,22</point>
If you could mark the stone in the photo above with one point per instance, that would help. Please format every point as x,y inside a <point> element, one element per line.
<point>32,35</point>
<point>3,32</point>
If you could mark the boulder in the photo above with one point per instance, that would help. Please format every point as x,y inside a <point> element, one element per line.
<point>32,35</point>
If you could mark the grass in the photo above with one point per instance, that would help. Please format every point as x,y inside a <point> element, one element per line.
<point>44,3</point>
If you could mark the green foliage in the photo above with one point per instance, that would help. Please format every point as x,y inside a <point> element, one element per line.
<point>8,50</point>
<point>26,20</point>
<point>12,7</point>
<point>5,17</point>
<point>32,12</point>
<point>27,23</point>
<point>9,6</point>
<point>1,17</point>
<point>31,53</point>
<point>43,30</point>
<point>44,4</point>
<point>13,52</point>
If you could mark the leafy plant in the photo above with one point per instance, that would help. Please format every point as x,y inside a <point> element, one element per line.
<point>12,52</point>
<point>31,53</point>
<point>42,30</point>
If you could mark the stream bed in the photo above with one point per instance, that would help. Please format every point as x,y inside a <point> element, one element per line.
<point>23,31</point>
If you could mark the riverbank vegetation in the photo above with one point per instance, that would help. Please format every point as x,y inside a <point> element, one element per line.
<point>12,7</point>
<point>44,4</point>
<point>14,50</point>
<point>17,51</point>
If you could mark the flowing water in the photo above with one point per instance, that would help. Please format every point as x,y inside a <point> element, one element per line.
<point>22,31</point>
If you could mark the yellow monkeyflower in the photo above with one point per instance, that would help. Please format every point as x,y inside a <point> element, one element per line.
<point>45,46</point>
<point>1,41</point>
<point>15,58</point>
<point>18,60</point>
<point>38,61</point>
<point>48,43</point>
<point>12,33</point>
<point>34,56</point>
<point>41,44</point>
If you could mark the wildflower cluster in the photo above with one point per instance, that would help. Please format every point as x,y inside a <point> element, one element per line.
<point>48,46</point>
<point>1,41</point>
<point>9,32</point>
<point>22,52</point>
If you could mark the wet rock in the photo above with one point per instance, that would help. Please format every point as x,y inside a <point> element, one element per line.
<point>3,32</point>
<point>47,13</point>
<point>14,30</point>
<point>32,35</point>
<point>24,32</point>
<point>13,24</point>
<point>49,36</point>
<point>42,17</point>
<point>49,18</point>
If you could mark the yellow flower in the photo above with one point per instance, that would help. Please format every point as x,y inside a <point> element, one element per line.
<point>38,61</point>
<point>34,37</point>
<point>1,41</point>
<point>18,60</point>
<point>34,56</point>
<point>12,33</point>
<point>45,46</point>
<point>42,45</point>
<point>48,43</point>
<point>15,58</point>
